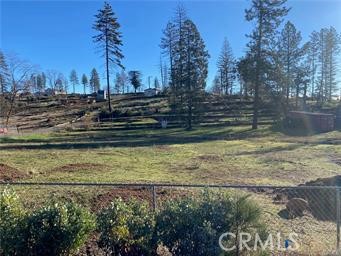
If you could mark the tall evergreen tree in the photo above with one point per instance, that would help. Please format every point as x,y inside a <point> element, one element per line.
<point>226,68</point>
<point>94,80</point>
<point>267,15</point>
<point>135,79</point>
<point>332,51</point>
<point>313,50</point>
<point>322,70</point>
<point>301,81</point>
<point>163,74</point>
<point>172,44</point>
<point>246,73</point>
<point>74,79</point>
<point>118,84</point>
<point>124,81</point>
<point>291,53</point>
<point>216,86</point>
<point>188,58</point>
<point>169,46</point>
<point>156,83</point>
<point>121,82</point>
<point>109,39</point>
<point>195,70</point>
<point>85,82</point>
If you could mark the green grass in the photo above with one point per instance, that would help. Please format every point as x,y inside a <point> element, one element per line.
<point>205,155</point>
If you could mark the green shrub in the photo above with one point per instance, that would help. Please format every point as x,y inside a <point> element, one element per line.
<point>57,230</point>
<point>192,226</point>
<point>246,217</point>
<point>53,230</point>
<point>126,228</point>
<point>12,222</point>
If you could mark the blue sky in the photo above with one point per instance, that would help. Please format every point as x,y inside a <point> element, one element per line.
<point>57,34</point>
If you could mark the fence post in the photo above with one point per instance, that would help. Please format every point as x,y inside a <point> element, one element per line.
<point>154,198</point>
<point>338,213</point>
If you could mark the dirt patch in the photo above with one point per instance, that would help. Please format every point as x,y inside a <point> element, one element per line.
<point>103,200</point>
<point>80,167</point>
<point>209,158</point>
<point>336,159</point>
<point>331,181</point>
<point>163,148</point>
<point>90,248</point>
<point>321,201</point>
<point>8,173</point>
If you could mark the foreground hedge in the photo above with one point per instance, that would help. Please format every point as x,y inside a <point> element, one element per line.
<point>192,226</point>
<point>184,226</point>
<point>59,229</point>
<point>127,228</point>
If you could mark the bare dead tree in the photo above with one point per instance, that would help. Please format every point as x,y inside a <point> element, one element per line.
<point>20,72</point>
<point>52,77</point>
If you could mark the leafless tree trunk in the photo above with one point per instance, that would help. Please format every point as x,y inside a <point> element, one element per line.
<point>20,72</point>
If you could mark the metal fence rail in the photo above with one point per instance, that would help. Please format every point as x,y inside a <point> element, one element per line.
<point>160,185</point>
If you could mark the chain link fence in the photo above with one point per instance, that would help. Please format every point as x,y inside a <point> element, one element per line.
<point>309,215</point>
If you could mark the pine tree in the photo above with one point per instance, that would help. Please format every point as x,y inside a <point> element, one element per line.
<point>267,15</point>
<point>135,79</point>
<point>301,81</point>
<point>172,45</point>
<point>216,86</point>
<point>195,71</point>
<point>156,83</point>
<point>332,50</point>
<point>109,39</point>
<point>85,82</point>
<point>94,80</point>
<point>118,83</point>
<point>74,80</point>
<point>226,68</point>
<point>124,81</point>
<point>246,74</point>
<point>163,74</point>
<point>168,45</point>
<point>313,50</point>
<point>291,53</point>
<point>188,58</point>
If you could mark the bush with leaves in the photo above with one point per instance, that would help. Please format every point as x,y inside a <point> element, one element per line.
<point>192,226</point>
<point>127,228</point>
<point>59,229</point>
<point>12,222</point>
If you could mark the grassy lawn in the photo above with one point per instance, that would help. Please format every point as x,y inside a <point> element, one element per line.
<point>218,155</point>
<point>205,155</point>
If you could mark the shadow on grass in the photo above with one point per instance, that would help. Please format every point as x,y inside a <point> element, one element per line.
<point>293,132</point>
<point>131,138</point>
<point>269,150</point>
